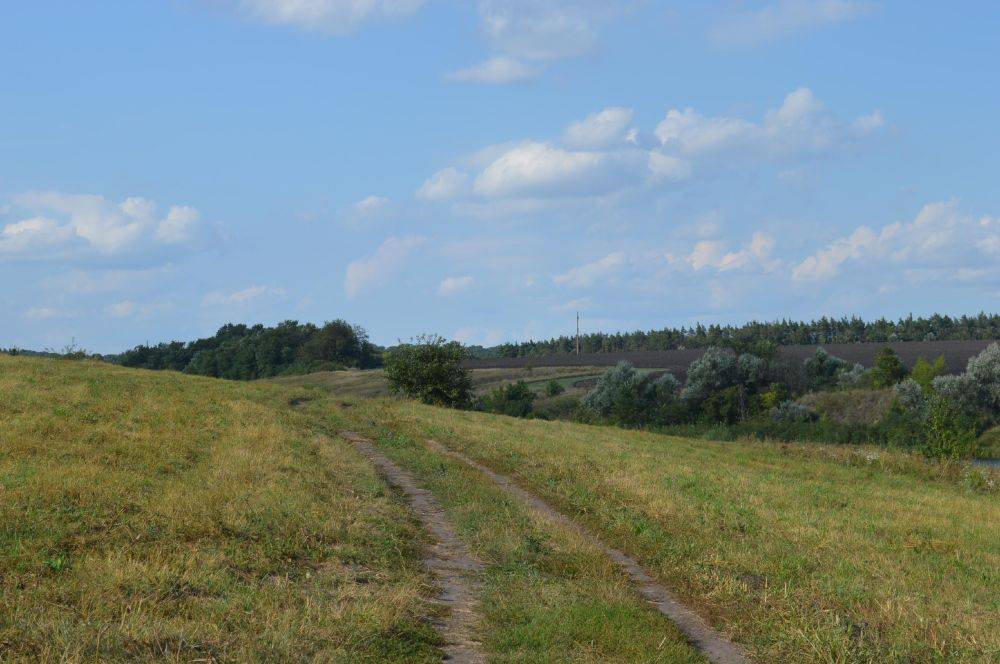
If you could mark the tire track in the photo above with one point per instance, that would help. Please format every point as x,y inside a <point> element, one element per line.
<point>448,560</point>
<point>716,647</point>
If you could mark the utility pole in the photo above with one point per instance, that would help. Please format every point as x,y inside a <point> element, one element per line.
<point>578,333</point>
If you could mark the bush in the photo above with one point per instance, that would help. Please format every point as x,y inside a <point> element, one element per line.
<point>554,388</point>
<point>911,397</point>
<point>924,372</point>
<point>790,411</point>
<point>721,385</point>
<point>513,399</point>
<point>856,376</point>
<point>626,398</point>
<point>429,369</point>
<point>949,433</point>
<point>888,368</point>
<point>822,370</point>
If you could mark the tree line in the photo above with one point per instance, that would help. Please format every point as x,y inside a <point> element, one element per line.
<point>242,352</point>
<point>780,333</point>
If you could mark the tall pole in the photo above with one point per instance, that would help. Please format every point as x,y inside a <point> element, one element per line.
<point>578,333</point>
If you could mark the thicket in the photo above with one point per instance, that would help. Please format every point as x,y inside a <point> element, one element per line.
<point>242,352</point>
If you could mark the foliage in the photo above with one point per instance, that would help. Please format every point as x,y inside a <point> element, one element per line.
<point>949,432</point>
<point>554,388</point>
<point>721,386</point>
<point>924,373</point>
<point>911,396</point>
<point>977,390</point>
<point>753,337</point>
<point>625,397</point>
<point>888,369</point>
<point>822,370</point>
<point>241,352</point>
<point>790,411</point>
<point>856,376</point>
<point>512,399</point>
<point>429,369</point>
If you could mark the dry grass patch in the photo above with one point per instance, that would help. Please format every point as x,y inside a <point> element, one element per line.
<point>155,516</point>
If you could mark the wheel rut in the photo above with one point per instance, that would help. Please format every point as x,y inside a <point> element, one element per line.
<point>448,560</point>
<point>715,646</point>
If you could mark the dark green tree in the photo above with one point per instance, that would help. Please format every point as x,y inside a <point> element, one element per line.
<point>429,368</point>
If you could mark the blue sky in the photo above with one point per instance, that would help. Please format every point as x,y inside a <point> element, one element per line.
<point>483,169</point>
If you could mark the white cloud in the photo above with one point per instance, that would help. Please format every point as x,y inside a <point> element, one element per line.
<point>178,225</point>
<point>539,29</point>
<point>714,254</point>
<point>540,169</point>
<point>600,130</point>
<point>941,237</point>
<point>371,204</point>
<point>443,185</point>
<point>499,70</point>
<point>801,126</point>
<point>604,155</point>
<point>455,285</point>
<point>783,18</point>
<point>589,273</point>
<point>374,269</point>
<point>67,221</point>
<point>240,297</point>
<point>329,16</point>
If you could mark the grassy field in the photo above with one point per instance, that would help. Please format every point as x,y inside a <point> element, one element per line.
<point>804,553</point>
<point>372,383</point>
<point>156,516</point>
<point>163,517</point>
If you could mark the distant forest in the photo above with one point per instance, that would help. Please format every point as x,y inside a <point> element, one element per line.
<point>241,352</point>
<point>780,333</point>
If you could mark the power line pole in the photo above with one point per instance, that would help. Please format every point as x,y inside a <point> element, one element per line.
<point>578,333</point>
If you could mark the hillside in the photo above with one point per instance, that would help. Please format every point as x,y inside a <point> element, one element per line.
<point>157,516</point>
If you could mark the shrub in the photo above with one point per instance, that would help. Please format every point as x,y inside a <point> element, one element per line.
<point>984,371</point>
<point>924,372</point>
<point>911,397</point>
<point>429,369</point>
<point>721,385</point>
<point>623,396</point>
<point>513,399</point>
<point>949,433</point>
<point>856,376</point>
<point>612,385</point>
<point>822,370</point>
<point>775,394</point>
<point>888,368</point>
<point>790,411</point>
<point>554,388</point>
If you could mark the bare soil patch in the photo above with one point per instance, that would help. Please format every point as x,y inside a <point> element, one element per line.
<point>448,560</point>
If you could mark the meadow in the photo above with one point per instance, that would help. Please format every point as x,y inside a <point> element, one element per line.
<point>158,516</point>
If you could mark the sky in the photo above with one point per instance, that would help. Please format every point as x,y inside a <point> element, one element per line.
<point>483,169</point>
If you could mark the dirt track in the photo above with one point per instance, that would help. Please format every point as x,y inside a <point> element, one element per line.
<point>448,560</point>
<point>716,647</point>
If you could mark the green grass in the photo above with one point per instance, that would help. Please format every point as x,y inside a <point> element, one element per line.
<point>154,516</point>
<point>804,553</point>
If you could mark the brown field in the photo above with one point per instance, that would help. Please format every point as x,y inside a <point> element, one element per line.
<point>956,354</point>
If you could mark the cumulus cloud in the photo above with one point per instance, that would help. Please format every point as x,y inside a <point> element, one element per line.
<point>588,273</point>
<point>539,29</point>
<point>240,297</point>
<point>374,269</point>
<point>67,222</point>
<point>455,285</point>
<point>604,154</point>
<point>443,185</point>
<point>499,70</point>
<point>801,126</point>
<point>783,18</point>
<point>535,169</point>
<point>600,130</point>
<point>46,313</point>
<point>940,237</point>
<point>329,16</point>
